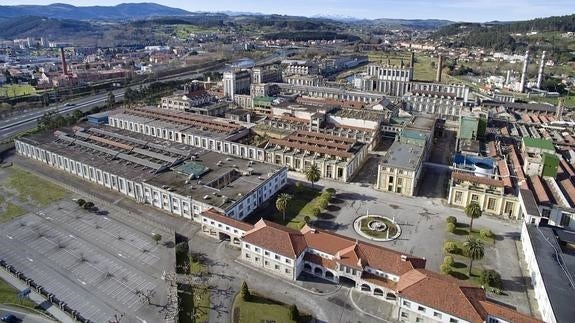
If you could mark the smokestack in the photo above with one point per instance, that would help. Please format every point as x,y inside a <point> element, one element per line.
<point>541,69</point>
<point>439,68</point>
<point>412,60</point>
<point>64,65</point>
<point>508,77</point>
<point>401,64</point>
<point>524,73</point>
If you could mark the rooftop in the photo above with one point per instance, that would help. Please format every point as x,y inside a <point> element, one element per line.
<point>404,156</point>
<point>424,123</point>
<point>319,143</point>
<point>558,279</point>
<point>538,143</point>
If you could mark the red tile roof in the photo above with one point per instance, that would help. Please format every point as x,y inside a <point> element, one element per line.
<point>378,280</point>
<point>505,313</point>
<point>214,215</point>
<point>276,238</point>
<point>539,189</point>
<point>353,253</point>
<point>569,190</point>
<point>504,173</point>
<point>324,262</point>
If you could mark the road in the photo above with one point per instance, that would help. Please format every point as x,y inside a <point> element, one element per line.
<point>22,315</point>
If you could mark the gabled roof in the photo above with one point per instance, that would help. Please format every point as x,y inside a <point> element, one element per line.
<point>447,294</point>
<point>276,238</point>
<point>214,215</point>
<point>358,254</point>
<point>441,292</point>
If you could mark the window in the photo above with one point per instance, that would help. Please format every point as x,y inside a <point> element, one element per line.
<point>491,204</point>
<point>565,219</point>
<point>452,320</point>
<point>509,206</point>
<point>277,267</point>
<point>288,261</point>
<point>247,256</point>
<point>436,314</point>
<point>277,257</point>
<point>404,314</point>
<point>266,263</point>
<point>267,253</point>
<point>288,271</point>
<point>406,303</point>
<point>458,197</point>
<point>257,259</point>
<point>421,309</point>
<point>257,249</point>
<point>247,246</point>
<point>418,319</point>
<point>474,197</point>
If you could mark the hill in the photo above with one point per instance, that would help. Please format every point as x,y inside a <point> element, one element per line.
<point>502,35</point>
<point>29,26</point>
<point>65,11</point>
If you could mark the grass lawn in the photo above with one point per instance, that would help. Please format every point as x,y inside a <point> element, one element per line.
<point>462,230</point>
<point>260,309</point>
<point>31,187</point>
<point>391,227</point>
<point>460,270</point>
<point>303,201</point>
<point>193,299</point>
<point>10,211</point>
<point>8,296</point>
<point>16,90</point>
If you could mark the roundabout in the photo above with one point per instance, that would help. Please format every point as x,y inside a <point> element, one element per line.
<point>377,228</point>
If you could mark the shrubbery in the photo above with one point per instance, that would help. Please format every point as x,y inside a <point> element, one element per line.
<point>450,247</point>
<point>485,233</point>
<point>448,260</point>
<point>451,219</point>
<point>450,227</point>
<point>490,278</point>
<point>445,269</point>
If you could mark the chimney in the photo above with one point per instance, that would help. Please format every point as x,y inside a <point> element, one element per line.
<point>412,60</point>
<point>541,69</point>
<point>524,72</point>
<point>401,65</point>
<point>508,77</point>
<point>64,65</point>
<point>439,68</point>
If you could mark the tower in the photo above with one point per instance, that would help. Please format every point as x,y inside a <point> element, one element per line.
<point>524,72</point>
<point>439,68</point>
<point>541,70</point>
<point>64,64</point>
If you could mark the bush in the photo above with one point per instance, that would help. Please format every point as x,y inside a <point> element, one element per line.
<point>326,195</point>
<point>330,190</point>
<point>294,313</point>
<point>157,237</point>
<point>88,205</point>
<point>445,269</point>
<point>451,219</point>
<point>182,248</point>
<point>485,233</point>
<point>322,203</point>
<point>81,202</point>
<point>448,260</point>
<point>490,278</point>
<point>315,212</point>
<point>450,247</point>
<point>450,227</point>
<point>306,219</point>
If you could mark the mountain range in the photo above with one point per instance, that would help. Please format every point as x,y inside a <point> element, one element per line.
<point>123,11</point>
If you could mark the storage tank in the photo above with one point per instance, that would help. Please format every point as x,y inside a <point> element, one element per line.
<point>483,170</point>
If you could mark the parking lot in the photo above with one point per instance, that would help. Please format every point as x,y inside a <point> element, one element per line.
<point>97,265</point>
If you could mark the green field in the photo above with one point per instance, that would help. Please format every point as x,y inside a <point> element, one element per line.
<point>10,211</point>
<point>260,309</point>
<point>32,188</point>
<point>424,71</point>
<point>16,90</point>
<point>8,296</point>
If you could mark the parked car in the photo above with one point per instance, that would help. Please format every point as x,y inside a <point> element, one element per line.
<point>10,318</point>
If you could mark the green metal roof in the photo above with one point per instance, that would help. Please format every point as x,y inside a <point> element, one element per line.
<point>413,134</point>
<point>538,143</point>
<point>192,168</point>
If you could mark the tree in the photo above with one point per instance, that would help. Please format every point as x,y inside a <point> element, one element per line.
<point>111,99</point>
<point>473,211</point>
<point>294,313</point>
<point>245,292</point>
<point>81,202</point>
<point>450,227</point>
<point>448,260</point>
<point>88,205</point>
<point>451,219</point>
<point>157,237</point>
<point>282,203</point>
<point>490,278</point>
<point>312,174</point>
<point>474,249</point>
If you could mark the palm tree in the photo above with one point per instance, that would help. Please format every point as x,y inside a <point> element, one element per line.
<point>473,248</point>
<point>282,203</point>
<point>312,174</point>
<point>473,211</point>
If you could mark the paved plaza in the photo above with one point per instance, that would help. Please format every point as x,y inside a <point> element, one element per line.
<point>95,264</point>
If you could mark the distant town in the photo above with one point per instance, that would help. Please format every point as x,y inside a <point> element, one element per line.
<point>197,167</point>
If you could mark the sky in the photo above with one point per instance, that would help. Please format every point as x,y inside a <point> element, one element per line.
<point>456,10</point>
